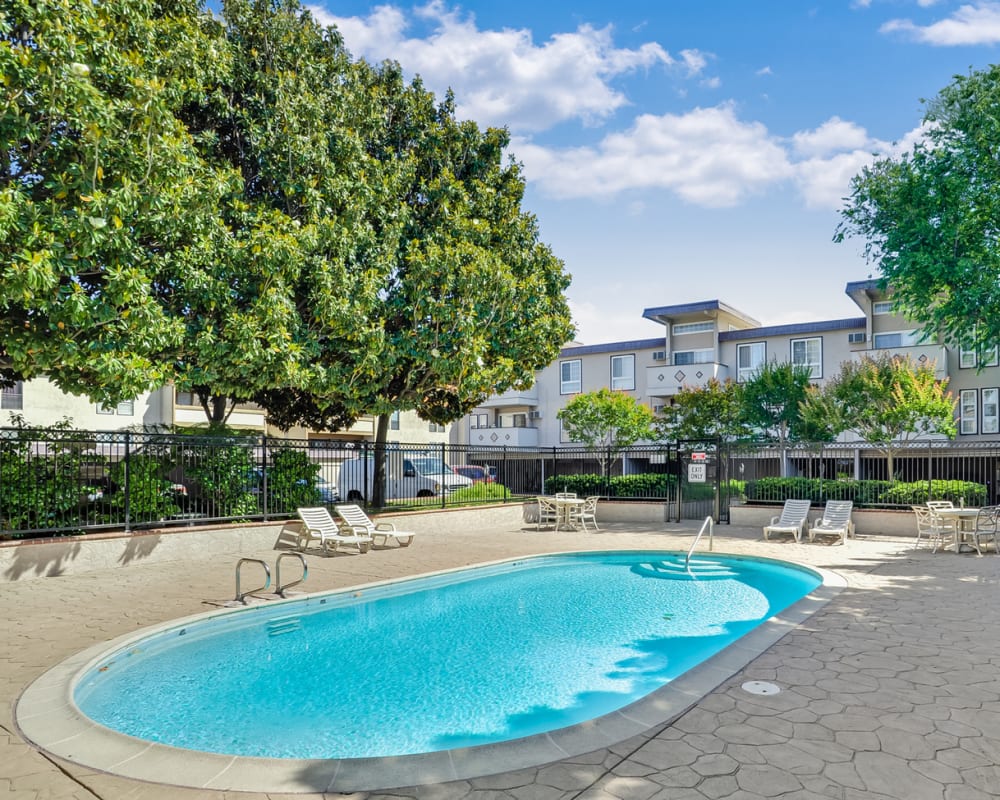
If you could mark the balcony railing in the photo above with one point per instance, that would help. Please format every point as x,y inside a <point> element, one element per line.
<point>666,380</point>
<point>919,354</point>
<point>513,397</point>
<point>509,436</point>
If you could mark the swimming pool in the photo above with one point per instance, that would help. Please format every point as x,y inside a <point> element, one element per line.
<point>510,653</point>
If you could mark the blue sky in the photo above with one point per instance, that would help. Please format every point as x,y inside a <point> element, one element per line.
<point>681,151</point>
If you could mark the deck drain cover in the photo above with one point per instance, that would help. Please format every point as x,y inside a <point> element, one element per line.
<point>760,687</point>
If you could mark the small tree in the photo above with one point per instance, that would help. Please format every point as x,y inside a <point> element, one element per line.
<point>772,401</point>
<point>887,400</point>
<point>606,422</point>
<point>707,413</point>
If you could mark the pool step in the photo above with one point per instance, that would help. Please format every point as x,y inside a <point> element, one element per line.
<point>281,625</point>
<point>696,570</point>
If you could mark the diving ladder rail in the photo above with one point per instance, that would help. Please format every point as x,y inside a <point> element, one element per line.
<point>280,590</point>
<point>710,523</point>
<point>267,572</point>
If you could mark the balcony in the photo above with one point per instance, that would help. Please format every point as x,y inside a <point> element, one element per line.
<point>918,354</point>
<point>512,397</point>
<point>499,437</point>
<point>666,380</point>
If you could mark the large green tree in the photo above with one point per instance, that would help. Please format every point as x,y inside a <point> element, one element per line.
<point>886,401</point>
<point>606,422</point>
<point>930,218</point>
<point>102,191</point>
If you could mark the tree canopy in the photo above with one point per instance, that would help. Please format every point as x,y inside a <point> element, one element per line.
<point>930,218</point>
<point>706,413</point>
<point>606,422</point>
<point>236,205</point>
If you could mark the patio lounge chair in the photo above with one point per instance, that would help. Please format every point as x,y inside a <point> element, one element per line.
<point>792,519</point>
<point>836,521</point>
<point>356,521</point>
<point>318,524</point>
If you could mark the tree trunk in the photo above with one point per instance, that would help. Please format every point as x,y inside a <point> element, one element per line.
<point>378,472</point>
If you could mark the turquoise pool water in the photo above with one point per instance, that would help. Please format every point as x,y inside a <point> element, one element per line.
<point>464,658</point>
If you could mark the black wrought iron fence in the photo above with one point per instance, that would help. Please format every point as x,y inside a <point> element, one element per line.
<point>63,482</point>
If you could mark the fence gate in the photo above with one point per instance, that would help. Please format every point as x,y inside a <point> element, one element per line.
<point>699,467</point>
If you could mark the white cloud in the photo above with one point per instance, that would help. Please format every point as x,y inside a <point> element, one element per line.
<point>833,135</point>
<point>974,24</point>
<point>502,77</point>
<point>707,157</point>
<point>764,71</point>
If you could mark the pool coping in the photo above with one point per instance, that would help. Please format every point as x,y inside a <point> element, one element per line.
<point>46,716</point>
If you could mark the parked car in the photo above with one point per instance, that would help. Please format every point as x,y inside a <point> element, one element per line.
<point>476,474</point>
<point>409,476</point>
<point>328,494</point>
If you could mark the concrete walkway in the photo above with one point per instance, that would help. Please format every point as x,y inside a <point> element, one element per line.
<point>891,691</point>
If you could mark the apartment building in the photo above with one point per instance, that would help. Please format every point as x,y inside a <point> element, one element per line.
<point>42,404</point>
<point>710,339</point>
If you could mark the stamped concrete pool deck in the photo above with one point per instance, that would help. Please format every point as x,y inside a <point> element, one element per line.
<point>892,690</point>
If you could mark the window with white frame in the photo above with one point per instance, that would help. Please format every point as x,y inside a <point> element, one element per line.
<point>623,373</point>
<point>749,359</point>
<point>968,359</point>
<point>12,397</point>
<point>691,327</point>
<point>991,410</point>
<point>433,427</point>
<point>124,409</point>
<point>394,421</point>
<point>882,341</point>
<point>683,357</point>
<point>185,399</point>
<point>882,307</point>
<point>809,353</point>
<point>967,411</point>
<point>480,420</point>
<point>570,377</point>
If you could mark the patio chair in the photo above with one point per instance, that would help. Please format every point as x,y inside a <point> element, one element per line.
<point>318,524</point>
<point>986,528</point>
<point>940,504</point>
<point>585,512</point>
<point>357,522</point>
<point>792,520</point>
<point>548,513</point>
<point>931,526</point>
<point>836,521</point>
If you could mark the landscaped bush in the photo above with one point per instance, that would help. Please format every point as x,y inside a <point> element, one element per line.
<point>479,492</point>
<point>864,493</point>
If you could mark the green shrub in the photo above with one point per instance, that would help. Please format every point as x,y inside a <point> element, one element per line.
<point>480,492</point>
<point>150,494</point>
<point>291,481</point>
<point>863,493</point>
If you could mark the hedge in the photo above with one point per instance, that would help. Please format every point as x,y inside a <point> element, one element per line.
<point>865,492</point>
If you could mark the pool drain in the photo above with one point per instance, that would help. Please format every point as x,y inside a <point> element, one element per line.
<point>760,687</point>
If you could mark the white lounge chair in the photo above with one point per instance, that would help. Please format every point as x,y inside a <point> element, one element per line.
<point>792,520</point>
<point>836,521</point>
<point>318,524</point>
<point>356,521</point>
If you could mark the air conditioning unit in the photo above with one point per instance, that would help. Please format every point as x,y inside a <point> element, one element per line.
<point>857,338</point>
<point>534,415</point>
<point>659,355</point>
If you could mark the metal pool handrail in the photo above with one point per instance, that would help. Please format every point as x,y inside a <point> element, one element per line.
<point>711,543</point>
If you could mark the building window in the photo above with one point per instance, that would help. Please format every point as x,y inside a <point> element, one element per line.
<point>692,327</point>
<point>882,307</point>
<point>808,353</point>
<point>882,341</point>
<point>967,411</point>
<point>12,397</point>
<point>479,421</point>
<point>519,420</point>
<point>570,377</point>
<point>103,409</point>
<point>749,359</point>
<point>685,357</point>
<point>394,421</point>
<point>623,373</point>
<point>126,408</point>
<point>991,410</point>
<point>967,359</point>
<point>433,427</point>
<point>185,399</point>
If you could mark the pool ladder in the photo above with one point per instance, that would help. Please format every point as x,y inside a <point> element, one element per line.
<point>709,523</point>
<point>280,590</point>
